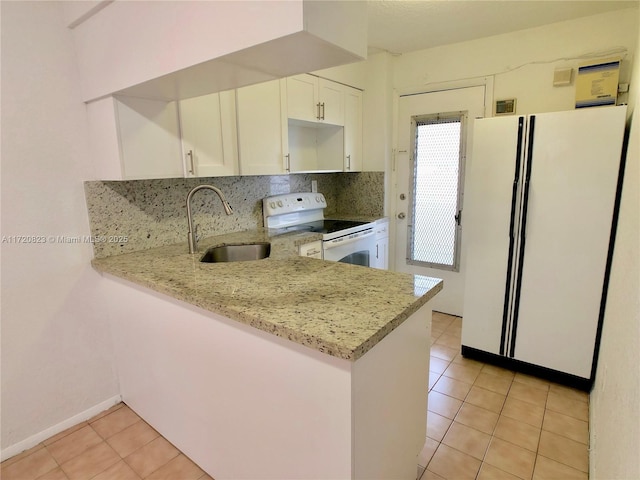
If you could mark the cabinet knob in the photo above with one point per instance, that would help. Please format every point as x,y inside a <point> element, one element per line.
<point>401,215</point>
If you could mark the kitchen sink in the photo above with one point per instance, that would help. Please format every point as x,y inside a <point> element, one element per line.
<point>237,252</point>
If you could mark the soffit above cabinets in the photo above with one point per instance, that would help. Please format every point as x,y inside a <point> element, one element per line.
<point>297,53</point>
<point>176,50</point>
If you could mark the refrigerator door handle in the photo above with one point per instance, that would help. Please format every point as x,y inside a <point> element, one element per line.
<point>523,234</point>
<point>507,312</point>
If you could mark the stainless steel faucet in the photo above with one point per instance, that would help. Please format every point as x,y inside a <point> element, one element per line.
<point>193,238</point>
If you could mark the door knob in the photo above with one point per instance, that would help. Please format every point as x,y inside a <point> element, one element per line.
<point>401,215</point>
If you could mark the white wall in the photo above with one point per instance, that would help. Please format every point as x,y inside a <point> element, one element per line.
<point>535,49</point>
<point>615,399</point>
<point>56,347</point>
<point>378,112</point>
<point>521,65</point>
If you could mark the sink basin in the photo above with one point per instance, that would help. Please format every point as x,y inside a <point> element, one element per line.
<point>237,252</point>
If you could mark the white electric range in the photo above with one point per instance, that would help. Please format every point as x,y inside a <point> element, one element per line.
<point>344,241</point>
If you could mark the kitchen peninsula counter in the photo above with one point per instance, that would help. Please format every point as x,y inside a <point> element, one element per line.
<point>339,309</point>
<point>313,369</point>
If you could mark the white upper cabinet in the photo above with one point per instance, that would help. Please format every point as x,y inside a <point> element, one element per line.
<point>137,138</point>
<point>134,138</point>
<point>314,99</point>
<point>257,130</point>
<point>324,125</point>
<point>262,129</point>
<point>352,129</point>
<point>209,139</point>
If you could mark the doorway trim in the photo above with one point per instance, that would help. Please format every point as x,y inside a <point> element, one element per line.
<point>486,82</point>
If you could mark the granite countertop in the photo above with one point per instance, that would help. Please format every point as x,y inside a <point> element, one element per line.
<point>339,309</point>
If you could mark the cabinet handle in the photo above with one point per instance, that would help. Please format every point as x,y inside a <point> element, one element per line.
<point>322,104</point>
<point>287,162</point>
<point>377,252</point>
<point>318,109</point>
<point>348,162</point>
<point>190,155</point>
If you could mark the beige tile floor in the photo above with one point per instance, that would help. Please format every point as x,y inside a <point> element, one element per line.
<point>115,445</point>
<point>483,423</point>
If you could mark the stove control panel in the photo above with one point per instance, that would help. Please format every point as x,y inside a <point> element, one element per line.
<point>293,202</point>
<point>293,209</point>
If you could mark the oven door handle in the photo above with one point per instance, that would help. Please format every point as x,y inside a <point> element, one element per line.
<point>336,242</point>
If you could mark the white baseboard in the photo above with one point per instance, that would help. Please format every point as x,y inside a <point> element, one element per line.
<point>34,440</point>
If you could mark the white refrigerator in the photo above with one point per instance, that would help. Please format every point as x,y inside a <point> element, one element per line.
<point>539,213</point>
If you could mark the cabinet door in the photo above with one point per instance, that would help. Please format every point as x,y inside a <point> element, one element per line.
<point>209,136</point>
<point>262,139</point>
<point>314,99</point>
<point>311,250</point>
<point>381,259</point>
<point>302,98</point>
<point>148,138</point>
<point>331,99</point>
<point>352,130</point>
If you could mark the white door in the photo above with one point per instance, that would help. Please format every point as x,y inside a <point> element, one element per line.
<point>491,225</point>
<point>412,212</point>
<point>574,170</point>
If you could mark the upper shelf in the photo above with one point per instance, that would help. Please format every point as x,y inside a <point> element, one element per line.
<point>178,50</point>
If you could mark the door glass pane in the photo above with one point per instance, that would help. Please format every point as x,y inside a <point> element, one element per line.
<point>436,179</point>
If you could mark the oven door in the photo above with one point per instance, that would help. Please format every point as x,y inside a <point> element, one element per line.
<point>357,248</point>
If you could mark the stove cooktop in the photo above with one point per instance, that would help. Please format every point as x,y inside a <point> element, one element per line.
<point>325,226</point>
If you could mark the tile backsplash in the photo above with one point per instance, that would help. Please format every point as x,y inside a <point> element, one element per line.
<point>152,213</point>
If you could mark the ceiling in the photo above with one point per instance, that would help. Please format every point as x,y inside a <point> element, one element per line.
<point>401,26</point>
